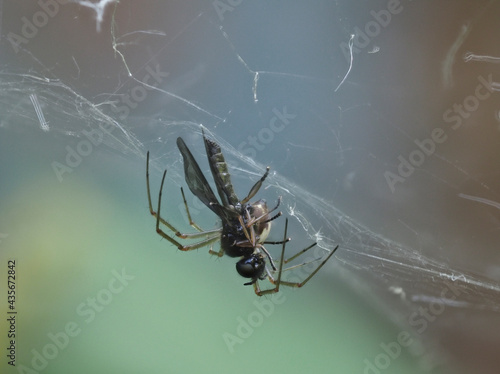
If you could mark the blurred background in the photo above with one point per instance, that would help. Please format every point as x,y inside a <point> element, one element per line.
<point>380,122</point>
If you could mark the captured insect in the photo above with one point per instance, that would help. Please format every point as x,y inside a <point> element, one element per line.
<point>245,226</point>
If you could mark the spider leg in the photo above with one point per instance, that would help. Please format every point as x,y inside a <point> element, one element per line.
<point>153,213</point>
<point>276,207</point>
<point>300,265</point>
<point>256,187</point>
<point>147,186</point>
<point>201,234</point>
<point>301,252</point>
<point>273,217</point>
<point>300,284</point>
<point>218,253</point>
<point>251,239</point>
<point>250,236</point>
<point>268,256</point>
<point>252,220</point>
<point>211,236</point>
<point>191,222</point>
<point>279,242</point>
<point>277,283</point>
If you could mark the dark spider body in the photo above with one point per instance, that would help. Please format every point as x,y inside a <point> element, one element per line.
<point>245,226</point>
<point>234,243</point>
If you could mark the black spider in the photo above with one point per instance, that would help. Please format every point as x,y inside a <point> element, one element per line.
<point>245,226</point>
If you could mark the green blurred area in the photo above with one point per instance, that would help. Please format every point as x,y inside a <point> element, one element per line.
<point>98,291</point>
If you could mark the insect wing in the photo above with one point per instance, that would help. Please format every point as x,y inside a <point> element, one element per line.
<point>220,173</point>
<point>195,179</point>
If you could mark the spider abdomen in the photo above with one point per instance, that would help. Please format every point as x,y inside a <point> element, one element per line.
<point>231,242</point>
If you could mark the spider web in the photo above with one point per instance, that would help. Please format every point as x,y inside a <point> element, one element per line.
<point>315,116</point>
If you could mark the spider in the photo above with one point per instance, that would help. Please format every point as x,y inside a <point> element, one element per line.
<point>245,226</point>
